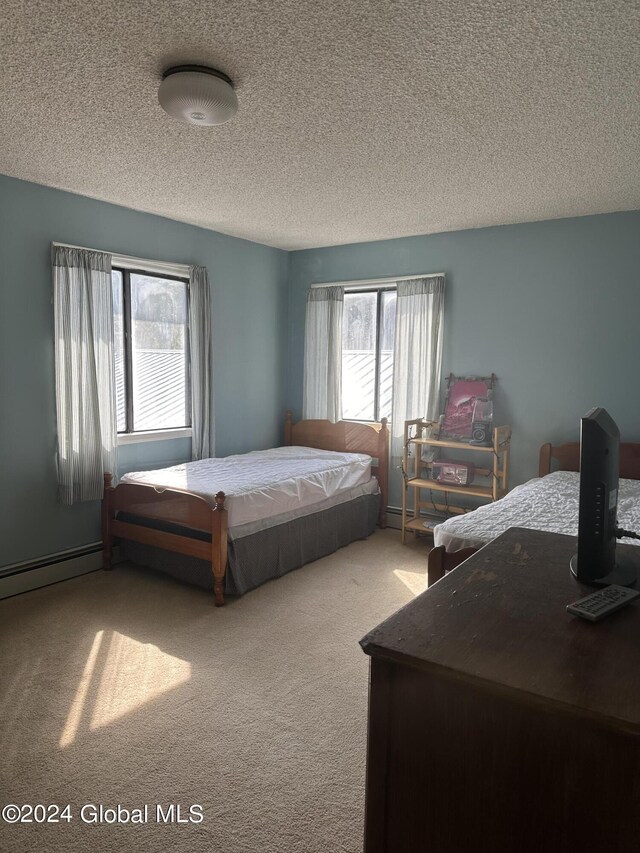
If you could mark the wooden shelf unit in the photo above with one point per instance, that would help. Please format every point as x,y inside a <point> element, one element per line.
<point>416,510</point>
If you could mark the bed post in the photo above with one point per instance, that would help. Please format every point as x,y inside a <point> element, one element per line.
<point>287,428</point>
<point>219,548</point>
<point>544,462</point>
<point>440,561</point>
<point>383,470</point>
<point>107,515</point>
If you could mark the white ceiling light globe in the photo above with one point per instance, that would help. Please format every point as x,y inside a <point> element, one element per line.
<point>197,95</point>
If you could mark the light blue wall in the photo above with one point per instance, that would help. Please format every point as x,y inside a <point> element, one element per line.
<point>552,308</point>
<point>249,301</point>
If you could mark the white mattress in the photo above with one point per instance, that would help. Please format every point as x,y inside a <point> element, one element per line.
<point>549,503</point>
<point>265,483</point>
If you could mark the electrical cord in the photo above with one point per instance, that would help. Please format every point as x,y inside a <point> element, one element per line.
<point>626,534</point>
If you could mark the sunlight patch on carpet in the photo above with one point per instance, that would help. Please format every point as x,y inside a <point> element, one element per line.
<point>77,706</point>
<point>121,674</point>
<point>415,581</point>
<point>134,673</point>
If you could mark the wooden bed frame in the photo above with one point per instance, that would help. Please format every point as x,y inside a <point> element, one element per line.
<point>194,512</point>
<point>562,457</point>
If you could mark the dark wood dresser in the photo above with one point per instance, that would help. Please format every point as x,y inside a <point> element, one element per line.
<point>497,721</point>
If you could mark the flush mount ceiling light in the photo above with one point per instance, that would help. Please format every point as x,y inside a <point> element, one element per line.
<point>197,95</point>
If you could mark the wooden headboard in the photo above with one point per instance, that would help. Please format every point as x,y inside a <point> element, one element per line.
<point>346,437</point>
<point>567,458</point>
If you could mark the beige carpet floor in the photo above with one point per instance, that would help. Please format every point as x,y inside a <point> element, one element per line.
<point>127,688</point>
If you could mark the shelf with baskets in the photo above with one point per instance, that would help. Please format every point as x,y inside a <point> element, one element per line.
<point>456,478</point>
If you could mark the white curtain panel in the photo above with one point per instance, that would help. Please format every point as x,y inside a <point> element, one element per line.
<point>322,393</point>
<point>201,356</point>
<point>417,355</point>
<point>85,372</point>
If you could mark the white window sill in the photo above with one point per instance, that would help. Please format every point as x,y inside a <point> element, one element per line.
<point>153,435</point>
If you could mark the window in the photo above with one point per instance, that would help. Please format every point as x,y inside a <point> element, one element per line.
<point>151,347</point>
<point>368,323</point>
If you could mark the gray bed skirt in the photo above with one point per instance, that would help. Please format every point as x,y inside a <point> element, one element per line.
<point>268,553</point>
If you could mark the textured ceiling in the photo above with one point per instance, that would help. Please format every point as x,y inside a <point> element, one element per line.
<point>358,120</point>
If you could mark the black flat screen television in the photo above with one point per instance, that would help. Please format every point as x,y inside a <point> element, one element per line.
<point>597,561</point>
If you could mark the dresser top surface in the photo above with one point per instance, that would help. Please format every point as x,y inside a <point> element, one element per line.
<point>500,620</point>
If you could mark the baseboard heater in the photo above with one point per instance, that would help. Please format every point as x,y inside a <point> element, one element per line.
<point>394,517</point>
<point>32,574</point>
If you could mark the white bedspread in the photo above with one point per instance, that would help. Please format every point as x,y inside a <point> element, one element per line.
<point>549,503</point>
<point>264,483</point>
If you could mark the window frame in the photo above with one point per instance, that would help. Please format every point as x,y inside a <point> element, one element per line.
<point>376,393</point>
<point>131,436</point>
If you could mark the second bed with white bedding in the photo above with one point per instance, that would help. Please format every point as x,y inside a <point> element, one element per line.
<point>545,503</point>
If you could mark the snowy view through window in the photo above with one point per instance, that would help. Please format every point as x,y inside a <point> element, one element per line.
<point>362,347</point>
<point>159,370</point>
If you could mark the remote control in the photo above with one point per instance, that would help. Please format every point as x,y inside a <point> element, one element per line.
<point>603,602</point>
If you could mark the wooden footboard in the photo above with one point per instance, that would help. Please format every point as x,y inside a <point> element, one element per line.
<point>168,506</point>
